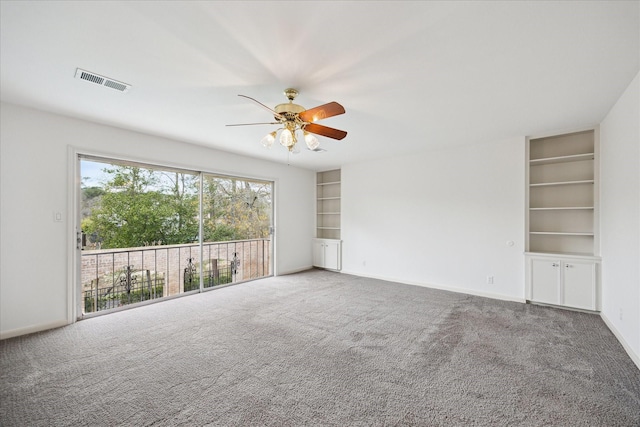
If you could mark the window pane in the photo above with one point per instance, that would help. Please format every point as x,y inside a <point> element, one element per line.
<point>236,228</point>
<point>235,209</point>
<point>140,233</point>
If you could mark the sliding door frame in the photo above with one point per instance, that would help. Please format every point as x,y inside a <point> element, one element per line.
<point>74,242</point>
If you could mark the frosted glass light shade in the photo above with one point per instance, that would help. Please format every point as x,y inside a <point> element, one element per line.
<point>267,141</point>
<point>311,140</point>
<point>286,138</point>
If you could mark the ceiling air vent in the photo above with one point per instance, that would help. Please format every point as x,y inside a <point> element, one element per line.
<point>101,80</point>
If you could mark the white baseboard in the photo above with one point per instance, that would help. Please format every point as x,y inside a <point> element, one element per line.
<point>295,270</point>
<point>635,357</point>
<point>444,288</point>
<point>32,329</point>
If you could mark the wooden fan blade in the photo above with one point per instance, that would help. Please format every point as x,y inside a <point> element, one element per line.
<point>322,112</point>
<point>252,124</point>
<point>325,131</point>
<point>264,106</point>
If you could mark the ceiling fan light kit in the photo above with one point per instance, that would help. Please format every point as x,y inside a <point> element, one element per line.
<point>294,117</point>
<point>311,140</point>
<point>268,139</point>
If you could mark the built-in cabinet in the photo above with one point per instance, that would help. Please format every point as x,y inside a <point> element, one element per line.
<point>327,253</point>
<point>327,247</point>
<point>565,281</point>
<point>562,220</point>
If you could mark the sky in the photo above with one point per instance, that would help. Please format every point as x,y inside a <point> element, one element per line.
<point>93,171</point>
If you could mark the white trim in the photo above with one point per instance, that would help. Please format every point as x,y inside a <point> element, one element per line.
<point>294,271</point>
<point>552,255</point>
<point>634,357</point>
<point>527,194</point>
<point>32,329</point>
<point>443,288</point>
<point>151,161</point>
<point>275,202</point>
<point>596,190</point>
<point>560,132</point>
<point>73,224</point>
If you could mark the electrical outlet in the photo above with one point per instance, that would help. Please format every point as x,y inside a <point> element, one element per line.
<point>489,280</point>
<point>620,314</point>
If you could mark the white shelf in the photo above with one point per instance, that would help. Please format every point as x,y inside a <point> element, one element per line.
<point>329,183</point>
<point>328,198</point>
<point>560,233</point>
<point>562,159</point>
<point>550,184</point>
<point>573,255</point>
<point>328,213</point>
<point>559,208</point>
<point>328,228</point>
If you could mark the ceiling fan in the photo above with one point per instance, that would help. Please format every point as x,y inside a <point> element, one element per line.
<point>293,117</point>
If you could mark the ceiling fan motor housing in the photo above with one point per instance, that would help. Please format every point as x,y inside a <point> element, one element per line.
<point>289,110</point>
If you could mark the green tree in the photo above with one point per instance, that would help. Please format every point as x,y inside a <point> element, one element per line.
<point>235,209</point>
<point>140,206</point>
<point>91,197</point>
<point>90,193</point>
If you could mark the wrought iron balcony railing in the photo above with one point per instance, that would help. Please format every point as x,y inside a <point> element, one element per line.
<point>112,278</point>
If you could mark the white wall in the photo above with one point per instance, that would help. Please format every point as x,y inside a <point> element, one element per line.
<point>441,219</point>
<point>35,183</point>
<point>620,218</point>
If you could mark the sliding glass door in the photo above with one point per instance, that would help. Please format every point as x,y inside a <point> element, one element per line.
<point>150,232</point>
<point>237,212</point>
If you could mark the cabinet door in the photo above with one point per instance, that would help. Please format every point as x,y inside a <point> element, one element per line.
<point>579,284</point>
<point>318,253</point>
<point>332,255</point>
<point>545,281</point>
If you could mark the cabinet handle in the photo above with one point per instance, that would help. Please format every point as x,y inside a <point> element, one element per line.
<point>568,266</point>
<point>555,264</point>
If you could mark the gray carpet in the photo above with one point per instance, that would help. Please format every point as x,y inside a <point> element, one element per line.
<point>320,348</point>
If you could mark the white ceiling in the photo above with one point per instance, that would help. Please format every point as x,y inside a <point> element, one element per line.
<point>412,76</point>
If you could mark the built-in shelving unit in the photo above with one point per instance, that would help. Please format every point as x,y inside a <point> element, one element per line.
<point>562,263</point>
<point>328,204</point>
<point>327,246</point>
<point>562,194</point>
